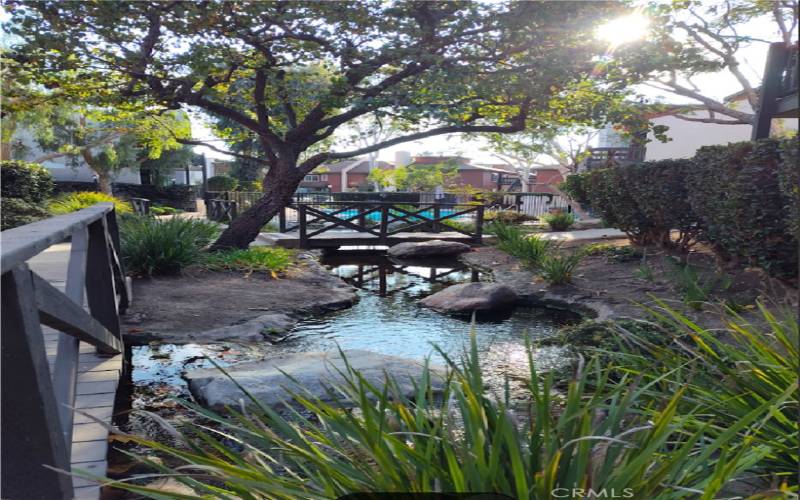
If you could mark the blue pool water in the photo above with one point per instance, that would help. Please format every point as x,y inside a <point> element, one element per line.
<point>376,216</point>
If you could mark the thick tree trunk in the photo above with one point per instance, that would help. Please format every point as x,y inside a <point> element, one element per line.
<point>279,186</point>
<point>104,182</point>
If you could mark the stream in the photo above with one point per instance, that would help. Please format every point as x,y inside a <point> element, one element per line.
<point>387,319</point>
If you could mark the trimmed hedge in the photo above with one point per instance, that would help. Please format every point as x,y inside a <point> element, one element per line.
<point>15,212</point>
<point>222,183</point>
<point>743,199</point>
<point>29,181</point>
<point>746,216</point>
<point>25,186</point>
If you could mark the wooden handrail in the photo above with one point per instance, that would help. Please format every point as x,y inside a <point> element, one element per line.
<point>38,407</point>
<point>22,243</point>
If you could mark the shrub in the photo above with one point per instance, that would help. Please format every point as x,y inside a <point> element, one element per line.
<point>694,287</point>
<point>222,183</point>
<point>599,432</point>
<point>72,202</point>
<point>646,200</point>
<point>28,181</point>
<point>504,216</point>
<point>559,221</point>
<point>789,179</point>
<point>745,215</point>
<point>257,259</point>
<point>15,212</point>
<point>617,253</point>
<point>151,246</point>
<point>250,186</point>
<point>574,186</point>
<point>558,269</point>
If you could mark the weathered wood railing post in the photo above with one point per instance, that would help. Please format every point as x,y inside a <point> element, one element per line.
<point>437,213</point>
<point>101,296</point>
<point>301,216</point>
<point>362,220</point>
<point>479,224</point>
<point>282,219</point>
<point>32,435</point>
<point>384,228</point>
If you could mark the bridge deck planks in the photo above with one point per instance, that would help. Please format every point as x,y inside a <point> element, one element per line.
<point>333,239</point>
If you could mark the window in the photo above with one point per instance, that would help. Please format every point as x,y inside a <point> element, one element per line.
<point>495,177</point>
<point>311,178</point>
<point>323,177</point>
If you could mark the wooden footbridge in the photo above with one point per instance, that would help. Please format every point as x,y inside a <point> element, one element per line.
<point>61,361</point>
<point>333,224</point>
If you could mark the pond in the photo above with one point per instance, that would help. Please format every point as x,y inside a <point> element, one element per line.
<point>387,319</point>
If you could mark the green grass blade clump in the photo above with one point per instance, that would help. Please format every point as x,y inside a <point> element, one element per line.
<point>605,432</point>
<point>155,247</point>
<point>560,221</point>
<point>531,249</point>
<point>72,202</point>
<point>255,259</point>
<point>558,269</point>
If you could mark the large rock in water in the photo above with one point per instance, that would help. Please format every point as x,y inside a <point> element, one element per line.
<point>468,297</point>
<point>315,372</point>
<point>432,248</point>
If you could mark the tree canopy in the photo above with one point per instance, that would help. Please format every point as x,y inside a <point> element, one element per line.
<point>291,73</point>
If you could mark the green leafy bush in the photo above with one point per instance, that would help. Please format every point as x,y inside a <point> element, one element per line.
<point>250,186</point>
<point>257,259</point>
<point>16,212</point>
<point>72,202</point>
<point>505,216</point>
<point>617,253</point>
<point>574,186</point>
<point>789,179</point>
<point>28,181</point>
<point>152,246</point>
<point>222,183</point>
<point>740,205</point>
<point>559,221</point>
<point>558,269</point>
<point>609,433</point>
<point>646,200</point>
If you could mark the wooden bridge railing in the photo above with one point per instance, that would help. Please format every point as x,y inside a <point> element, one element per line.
<point>221,210</point>
<point>383,221</point>
<point>37,410</point>
<point>141,206</point>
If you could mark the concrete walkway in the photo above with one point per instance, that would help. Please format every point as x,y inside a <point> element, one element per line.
<point>584,234</point>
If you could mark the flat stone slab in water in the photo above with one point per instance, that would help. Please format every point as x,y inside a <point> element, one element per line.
<point>469,297</point>
<point>316,372</point>
<point>432,248</point>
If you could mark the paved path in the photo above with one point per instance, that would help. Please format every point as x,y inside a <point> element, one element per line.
<point>584,234</point>
<point>98,377</point>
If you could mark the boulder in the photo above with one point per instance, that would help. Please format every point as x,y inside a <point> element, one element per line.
<point>271,380</point>
<point>468,297</point>
<point>422,249</point>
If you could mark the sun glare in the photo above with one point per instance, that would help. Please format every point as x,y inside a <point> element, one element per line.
<point>624,29</point>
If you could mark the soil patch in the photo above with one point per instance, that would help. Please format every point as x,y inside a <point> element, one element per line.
<point>607,288</point>
<point>169,308</point>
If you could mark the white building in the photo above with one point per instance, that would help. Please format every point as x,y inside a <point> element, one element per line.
<point>686,137</point>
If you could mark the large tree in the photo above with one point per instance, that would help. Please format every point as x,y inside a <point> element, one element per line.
<point>691,38</point>
<point>292,73</point>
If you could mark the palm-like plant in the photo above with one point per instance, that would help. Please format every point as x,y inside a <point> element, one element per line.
<point>601,434</point>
